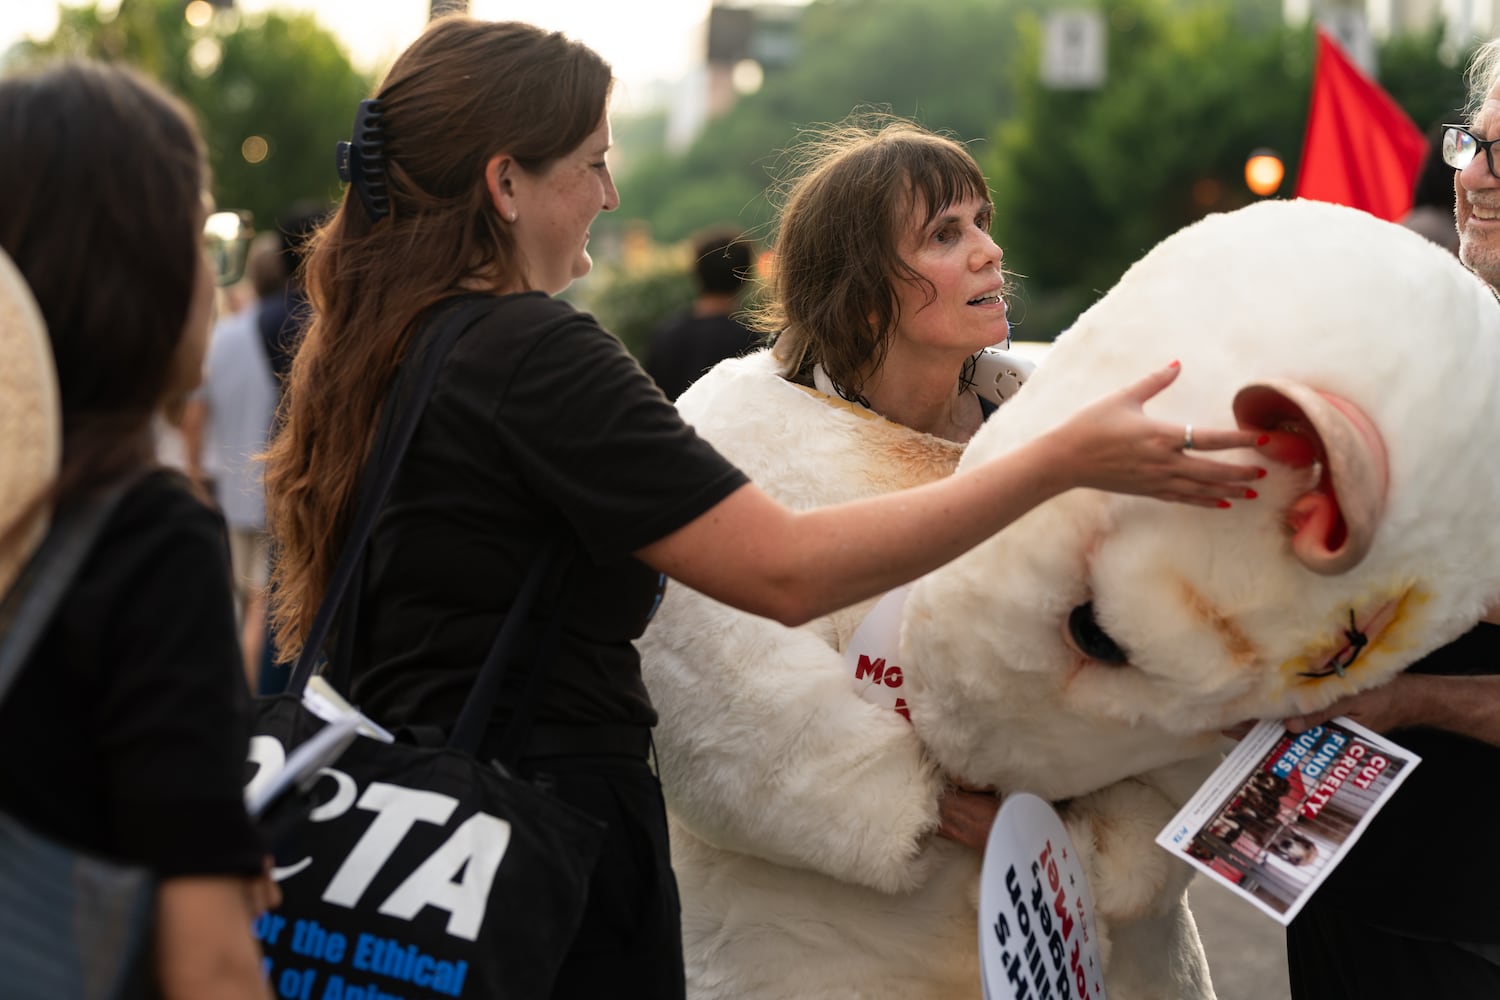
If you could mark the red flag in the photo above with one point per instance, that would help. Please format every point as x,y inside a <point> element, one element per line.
<point>1360,149</point>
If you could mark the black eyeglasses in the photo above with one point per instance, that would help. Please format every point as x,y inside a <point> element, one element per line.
<point>1460,146</point>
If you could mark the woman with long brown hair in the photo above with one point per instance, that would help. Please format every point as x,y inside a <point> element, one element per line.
<point>475,173</point>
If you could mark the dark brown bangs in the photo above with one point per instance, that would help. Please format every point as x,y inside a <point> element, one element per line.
<point>942,175</point>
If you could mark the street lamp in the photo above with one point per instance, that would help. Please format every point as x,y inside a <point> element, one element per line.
<point>1264,171</point>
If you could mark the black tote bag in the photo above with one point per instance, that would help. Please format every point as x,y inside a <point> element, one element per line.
<point>417,871</point>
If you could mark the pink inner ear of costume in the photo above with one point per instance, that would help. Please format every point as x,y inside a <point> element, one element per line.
<point>1334,522</point>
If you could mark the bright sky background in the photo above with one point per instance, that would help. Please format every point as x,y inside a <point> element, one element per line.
<point>645,42</point>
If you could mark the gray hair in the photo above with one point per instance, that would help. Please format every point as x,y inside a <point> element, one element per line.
<point>1483,75</point>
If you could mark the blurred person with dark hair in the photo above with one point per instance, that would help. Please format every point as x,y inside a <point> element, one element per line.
<point>128,727</point>
<point>283,317</point>
<point>690,344</point>
<point>475,175</point>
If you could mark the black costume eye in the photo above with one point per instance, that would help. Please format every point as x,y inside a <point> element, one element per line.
<point>1092,640</point>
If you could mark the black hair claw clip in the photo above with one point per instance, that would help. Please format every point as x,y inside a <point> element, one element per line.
<point>361,160</point>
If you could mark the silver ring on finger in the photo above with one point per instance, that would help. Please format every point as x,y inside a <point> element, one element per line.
<point>1187,437</point>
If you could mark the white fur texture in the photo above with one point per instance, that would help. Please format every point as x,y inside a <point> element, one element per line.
<point>1217,616</point>
<point>801,813</point>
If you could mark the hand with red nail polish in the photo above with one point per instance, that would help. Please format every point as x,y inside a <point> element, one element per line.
<point>1112,445</point>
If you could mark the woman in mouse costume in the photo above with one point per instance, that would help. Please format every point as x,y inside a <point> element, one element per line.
<point>820,850</point>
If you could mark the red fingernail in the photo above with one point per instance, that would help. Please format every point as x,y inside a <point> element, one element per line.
<point>1175,364</point>
<point>1251,494</point>
<point>1260,473</point>
<point>1224,505</point>
<point>1263,440</point>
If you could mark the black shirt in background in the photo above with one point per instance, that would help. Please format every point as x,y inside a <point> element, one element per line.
<point>684,348</point>
<point>541,423</point>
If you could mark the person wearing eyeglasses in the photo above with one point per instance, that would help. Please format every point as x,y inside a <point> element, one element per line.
<point>1476,183</point>
<point>1396,919</point>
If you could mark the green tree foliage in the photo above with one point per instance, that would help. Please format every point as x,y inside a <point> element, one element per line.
<point>635,304</point>
<point>1086,182</point>
<point>285,79</point>
<point>279,76</point>
<point>1425,79</point>
<point>151,36</point>
<point>946,64</point>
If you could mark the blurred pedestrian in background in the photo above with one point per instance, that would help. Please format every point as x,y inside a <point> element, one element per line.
<point>283,318</point>
<point>127,730</point>
<point>226,425</point>
<point>686,346</point>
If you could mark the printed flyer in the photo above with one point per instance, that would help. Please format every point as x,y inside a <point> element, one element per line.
<point>1284,808</point>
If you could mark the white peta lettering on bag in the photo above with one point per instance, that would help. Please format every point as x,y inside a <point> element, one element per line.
<point>474,849</point>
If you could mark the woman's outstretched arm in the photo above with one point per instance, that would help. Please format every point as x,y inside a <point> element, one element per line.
<point>751,552</point>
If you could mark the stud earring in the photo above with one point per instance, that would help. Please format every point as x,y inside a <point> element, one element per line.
<point>511,217</point>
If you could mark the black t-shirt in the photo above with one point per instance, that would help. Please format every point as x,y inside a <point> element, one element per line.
<point>687,346</point>
<point>126,733</point>
<point>541,424</point>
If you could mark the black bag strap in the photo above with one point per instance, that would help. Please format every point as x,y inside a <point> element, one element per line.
<point>475,719</point>
<point>38,592</point>
<point>392,441</point>
<point>526,674</point>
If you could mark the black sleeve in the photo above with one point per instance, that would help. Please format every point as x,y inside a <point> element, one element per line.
<point>591,431</point>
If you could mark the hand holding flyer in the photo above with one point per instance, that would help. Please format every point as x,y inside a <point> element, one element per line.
<point>1284,808</point>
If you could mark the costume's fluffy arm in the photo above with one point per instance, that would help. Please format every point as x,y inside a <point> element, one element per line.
<point>766,749</point>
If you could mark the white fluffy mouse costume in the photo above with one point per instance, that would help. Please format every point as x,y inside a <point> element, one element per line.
<point>1076,653</point>
<point>1081,653</point>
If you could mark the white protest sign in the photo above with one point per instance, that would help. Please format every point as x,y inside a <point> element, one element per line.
<point>1036,918</point>
<point>872,654</point>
